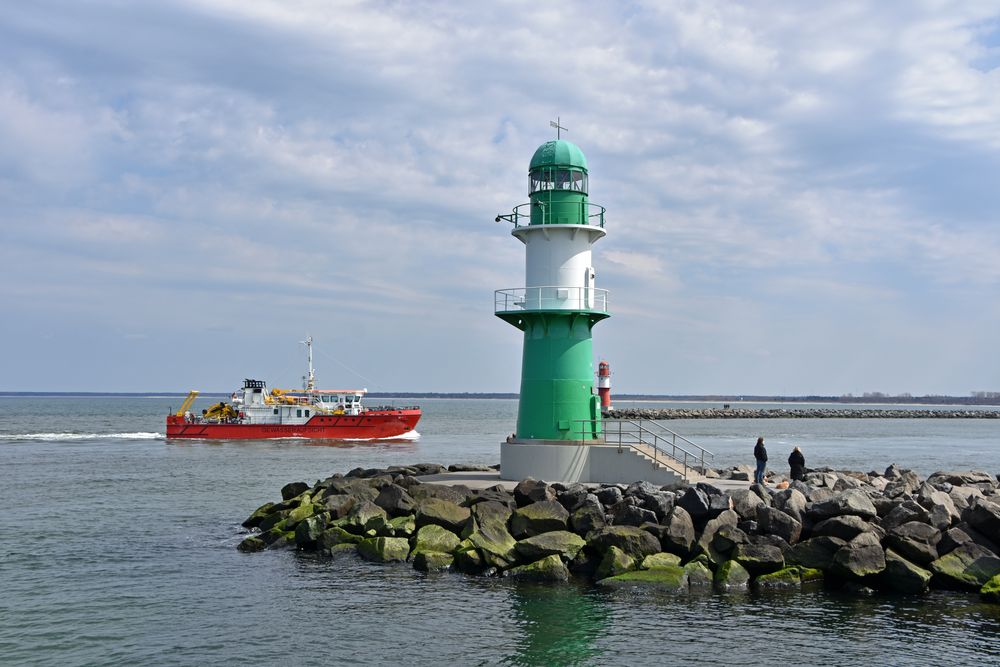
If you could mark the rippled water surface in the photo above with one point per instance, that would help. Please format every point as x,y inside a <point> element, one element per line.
<point>118,547</point>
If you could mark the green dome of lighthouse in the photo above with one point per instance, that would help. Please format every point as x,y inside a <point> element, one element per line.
<point>559,153</point>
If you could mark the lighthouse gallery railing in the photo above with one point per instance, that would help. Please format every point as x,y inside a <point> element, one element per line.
<point>550,298</point>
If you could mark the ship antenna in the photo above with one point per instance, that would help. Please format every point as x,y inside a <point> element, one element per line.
<point>311,378</point>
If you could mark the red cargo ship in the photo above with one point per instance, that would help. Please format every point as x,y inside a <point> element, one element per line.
<point>254,413</point>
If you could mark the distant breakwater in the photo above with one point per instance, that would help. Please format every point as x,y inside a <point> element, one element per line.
<point>804,413</point>
<point>893,532</point>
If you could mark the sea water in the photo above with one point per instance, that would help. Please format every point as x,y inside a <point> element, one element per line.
<point>119,548</point>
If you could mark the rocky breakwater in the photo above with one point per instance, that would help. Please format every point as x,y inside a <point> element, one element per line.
<point>867,532</point>
<point>803,413</point>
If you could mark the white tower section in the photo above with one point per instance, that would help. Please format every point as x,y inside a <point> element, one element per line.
<point>559,273</point>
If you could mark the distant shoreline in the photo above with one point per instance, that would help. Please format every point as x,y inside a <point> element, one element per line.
<point>733,400</point>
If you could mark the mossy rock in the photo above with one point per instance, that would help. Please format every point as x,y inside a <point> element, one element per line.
<point>469,561</point>
<point>403,526</point>
<point>273,520</point>
<point>384,549</point>
<point>540,517</point>
<point>363,516</point>
<point>300,514</point>
<point>251,544</point>
<point>558,542</point>
<point>490,535</point>
<point>673,578</point>
<point>991,590</point>
<point>284,540</point>
<point>785,578</point>
<point>336,535</point>
<point>432,561</point>
<point>969,566</point>
<point>443,513</point>
<point>698,574</point>
<point>731,576</point>
<point>810,575</point>
<point>343,549</point>
<point>615,562</point>
<point>258,515</point>
<point>435,538</point>
<point>660,560</point>
<point>381,526</point>
<point>904,576</point>
<point>550,568</point>
<point>308,532</point>
<point>275,534</point>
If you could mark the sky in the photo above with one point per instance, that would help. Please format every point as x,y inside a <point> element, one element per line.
<point>802,198</point>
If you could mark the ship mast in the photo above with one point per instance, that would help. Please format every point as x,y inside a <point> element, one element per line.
<point>311,378</point>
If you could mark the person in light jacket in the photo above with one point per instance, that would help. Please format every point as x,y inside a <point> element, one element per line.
<point>797,464</point>
<point>760,454</point>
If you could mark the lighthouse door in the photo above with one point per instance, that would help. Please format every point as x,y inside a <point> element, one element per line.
<point>588,288</point>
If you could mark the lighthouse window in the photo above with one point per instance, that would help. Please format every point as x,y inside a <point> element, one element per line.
<point>557,179</point>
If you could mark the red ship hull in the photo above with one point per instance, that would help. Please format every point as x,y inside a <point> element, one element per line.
<point>371,425</point>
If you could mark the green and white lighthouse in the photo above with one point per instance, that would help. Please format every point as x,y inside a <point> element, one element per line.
<point>556,309</point>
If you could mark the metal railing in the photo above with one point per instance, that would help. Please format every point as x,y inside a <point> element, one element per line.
<point>590,213</point>
<point>651,439</point>
<point>550,298</point>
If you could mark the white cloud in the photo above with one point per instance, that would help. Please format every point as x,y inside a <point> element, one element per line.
<point>773,174</point>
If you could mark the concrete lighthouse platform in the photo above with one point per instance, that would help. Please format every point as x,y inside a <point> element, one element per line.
<point>595,463</point>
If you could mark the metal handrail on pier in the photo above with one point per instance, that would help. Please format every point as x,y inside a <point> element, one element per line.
<point>644,435</point>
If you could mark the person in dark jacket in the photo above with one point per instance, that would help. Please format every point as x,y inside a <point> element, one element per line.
<point>797,464</point>
<point>760,454</point>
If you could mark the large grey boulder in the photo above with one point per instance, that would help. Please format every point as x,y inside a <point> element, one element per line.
<point>573,497</point>
<point>627,514</point>
<point>539,517</point>
<point>679,536</point>
<point>759,558</point>
<point>293,489</point>
<point>364,515</point>
<point>861,557</point>
<point>792,502</point>
<point>532,491</point>
<point>964,496</point>
<point>905,512</point>
<point>773,521</point>
<point>395,500</point>
<point>443,513</point>
<point>634,542</point>
<point>903,576</point>
<point>609,495</point>
<point>745,503</point>
<point>984,516</point>
<point>490,536</point>
<point>726,519</point>
<point>852,501</point>
<point>816,552</point>
<point>966,478</point>
<point>588,516</point>
<point>559,542</point>
<point>915,541</point>
<point>696,503</point>
<point>845,527</point>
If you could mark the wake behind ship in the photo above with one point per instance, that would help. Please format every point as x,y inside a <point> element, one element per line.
<point>256,413</point>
